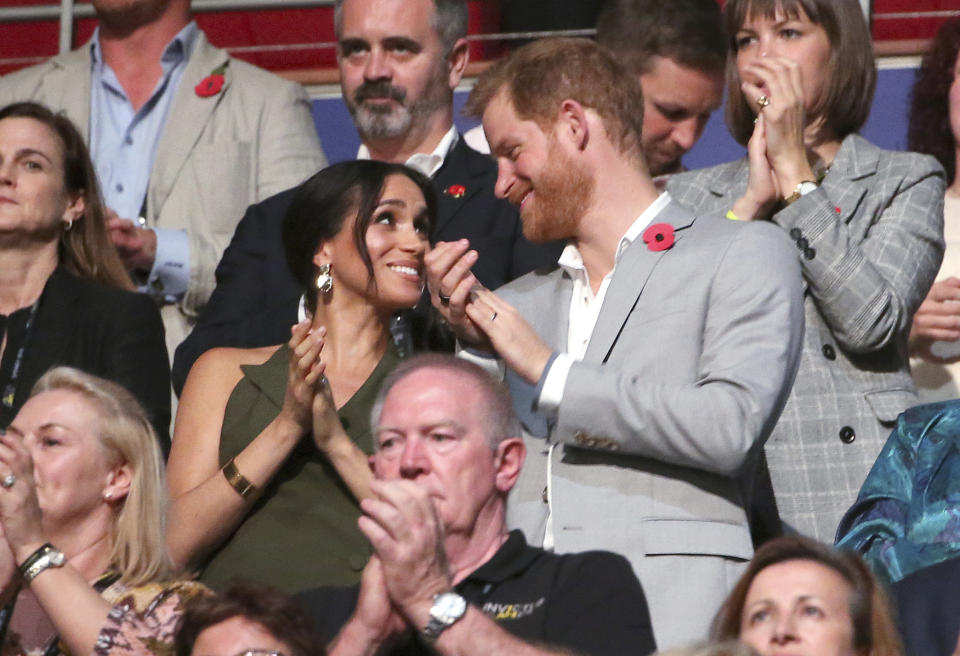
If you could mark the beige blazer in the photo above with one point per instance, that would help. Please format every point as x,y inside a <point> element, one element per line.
<point>217,154</point>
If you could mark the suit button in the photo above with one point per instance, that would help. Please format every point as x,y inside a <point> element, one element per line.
<point>847,435</point>
<point>809,253</point>
<point>829,352</point>
<point>795,233</point>
<point>802,243</point>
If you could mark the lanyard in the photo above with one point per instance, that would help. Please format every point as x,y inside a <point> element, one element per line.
<point>10,390</point>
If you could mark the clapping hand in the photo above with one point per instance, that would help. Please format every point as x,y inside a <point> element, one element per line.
<point>304,373</point>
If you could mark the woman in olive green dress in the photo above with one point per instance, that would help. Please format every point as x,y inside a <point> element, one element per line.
<point>264,471</point>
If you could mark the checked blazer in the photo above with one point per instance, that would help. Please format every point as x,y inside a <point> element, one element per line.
<point>870,240</point>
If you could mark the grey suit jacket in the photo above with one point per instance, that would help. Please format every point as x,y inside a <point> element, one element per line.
<point>217,155</point>
<point>871,240</point>
<point>688,367</point>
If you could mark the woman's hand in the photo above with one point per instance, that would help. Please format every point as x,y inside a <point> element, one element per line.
<point>19,507</point>
<point>326,421</point>
<point>937,318</point>
<point>304,373</point>
<point>784,118</point>
<point>762,194</point>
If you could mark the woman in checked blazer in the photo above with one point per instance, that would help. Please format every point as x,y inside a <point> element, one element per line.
<point>868,228</point>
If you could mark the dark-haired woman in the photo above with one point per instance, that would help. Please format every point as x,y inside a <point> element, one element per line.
<point>65,298</point>
<point>867,224</point>
<point>258,443</point>
<point>248,618</point>
<point>934,129</point>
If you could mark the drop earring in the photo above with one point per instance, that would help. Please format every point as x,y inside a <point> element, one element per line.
<point>324,279</point>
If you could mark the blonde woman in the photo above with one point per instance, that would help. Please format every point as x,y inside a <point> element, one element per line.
<point>83,562</point>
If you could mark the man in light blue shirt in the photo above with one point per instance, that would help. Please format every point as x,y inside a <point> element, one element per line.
<point>183,137</point>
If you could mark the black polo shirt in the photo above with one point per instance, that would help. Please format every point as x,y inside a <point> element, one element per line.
<point>590,603</point>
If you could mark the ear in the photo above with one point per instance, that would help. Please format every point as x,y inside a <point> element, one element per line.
<point>457,62</point>
<point>323,254</point>
<point>118,483</point>
<point>508,462</point>
<point>572,124</point>
<point>75,209</point>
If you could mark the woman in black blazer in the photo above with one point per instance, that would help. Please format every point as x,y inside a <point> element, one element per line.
<point>65,297</point>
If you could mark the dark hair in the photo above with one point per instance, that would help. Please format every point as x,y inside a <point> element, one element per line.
<point>538,77</point>
<point>690,32</point>
<point>929,125</point>
<point>450,20</point>
<point>851,80</point>
<point>86,250</point>
<point>322,204</point>
<point>499,416</point>
<point>874,630</point>
<point>278,613</point>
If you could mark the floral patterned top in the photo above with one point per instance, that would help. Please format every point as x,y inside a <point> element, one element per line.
<point>142,622</point>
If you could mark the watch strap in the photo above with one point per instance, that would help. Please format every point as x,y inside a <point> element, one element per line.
<point>803,188</point>
<point>439,620</point>
<point>43,558</point>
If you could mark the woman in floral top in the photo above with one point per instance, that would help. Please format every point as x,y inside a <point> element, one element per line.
<point>83,566</point>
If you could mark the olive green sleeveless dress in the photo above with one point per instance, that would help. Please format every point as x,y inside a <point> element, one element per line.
<point>302,531</point>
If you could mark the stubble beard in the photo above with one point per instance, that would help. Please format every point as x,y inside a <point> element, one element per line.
<point>378,122</point>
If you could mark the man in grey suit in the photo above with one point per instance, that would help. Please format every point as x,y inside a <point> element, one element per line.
<point>183,137</point>
<point>649,366</point>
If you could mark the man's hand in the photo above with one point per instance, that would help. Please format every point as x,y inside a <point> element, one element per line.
<point>374,622</point>
<point>938,317</point>
<point>137,246</point>
<point>451,284</point>
<point>512,337</point>
<point>407,537</point>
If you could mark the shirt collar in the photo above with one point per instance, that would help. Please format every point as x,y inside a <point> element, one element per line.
<point>428,164</point>
<point>512,558</point>
<point>178,49</point>
<point>570,259</point>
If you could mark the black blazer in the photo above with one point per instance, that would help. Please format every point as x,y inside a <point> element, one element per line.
<point>256,298</point>
<point>111,333</point>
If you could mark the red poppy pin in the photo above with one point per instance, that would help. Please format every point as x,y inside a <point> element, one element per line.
<point>457,191</point>
<point>658,237</point>
<point>212,84</point>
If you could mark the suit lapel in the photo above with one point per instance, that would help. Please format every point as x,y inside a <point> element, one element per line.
<point>849,178</point>
<point>628,282</point>
<point>180,134</point>
<point>55,322</point>
<point>67,85</point>
<point>458,169</point>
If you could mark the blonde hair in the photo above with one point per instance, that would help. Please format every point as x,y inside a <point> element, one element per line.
<point>138,545</point>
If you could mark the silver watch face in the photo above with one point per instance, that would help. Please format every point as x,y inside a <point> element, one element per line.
<point>448,607</point>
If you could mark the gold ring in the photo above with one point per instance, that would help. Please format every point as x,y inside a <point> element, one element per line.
<point>763,101</point>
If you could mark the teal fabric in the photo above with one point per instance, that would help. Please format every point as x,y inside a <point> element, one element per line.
<point>907,515</point>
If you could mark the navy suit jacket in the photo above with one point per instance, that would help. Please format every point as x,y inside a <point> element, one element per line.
<point>256,298</point>
<point>928,609</point>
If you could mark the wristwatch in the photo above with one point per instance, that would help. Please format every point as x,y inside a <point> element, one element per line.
<point>448,607</point>
<point>43,558</point>
<point>802,189</point>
